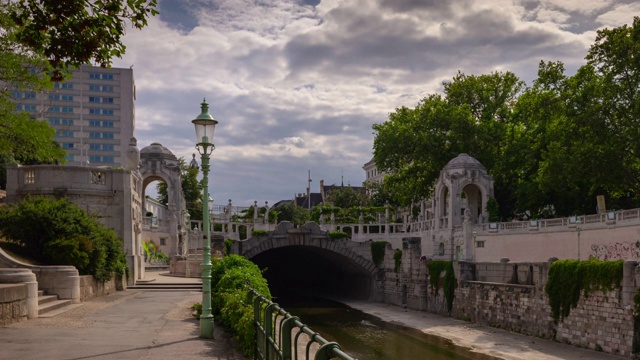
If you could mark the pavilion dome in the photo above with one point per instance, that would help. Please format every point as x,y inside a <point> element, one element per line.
<point>464,161</point>
<point>156,150</point>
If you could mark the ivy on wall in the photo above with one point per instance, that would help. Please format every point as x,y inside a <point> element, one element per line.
<point>397,259</point>
<point>447,283</point>
<point>568,278</point>
<point>377,251</point>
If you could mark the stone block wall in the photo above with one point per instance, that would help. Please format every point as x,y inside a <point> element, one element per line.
<point>91,288</point>
<point>13,303</point>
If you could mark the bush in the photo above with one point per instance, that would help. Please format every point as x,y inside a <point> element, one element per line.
<point>228,245</point>
<point>58,232</point>
<point>259,233</point>
<point>231,279</point>
<point>333,235</point>
<point>447,283</point>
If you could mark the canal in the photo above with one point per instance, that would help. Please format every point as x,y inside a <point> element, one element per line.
<point>365,337</point>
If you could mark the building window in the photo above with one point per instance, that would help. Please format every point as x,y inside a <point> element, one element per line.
<point>100,76</point>
<point>107,123</point>
<point>107,135</point>
<point>94,123</point>
<point>163,241</point>
<point>441,249</point>
<point>63,86</point>
<point>98,177</point>
<point>108,159</point>
<point>61,133</point>
<point>105,88</point>
<point>67,145</point>
<point>94,135</point>
<point>94,159</point>
<point>480,243</point>
<point>101,111</point>
<point>58,121</point>
<point>94,146</point>
<point>25,107</point>
<point>29,176</point>
<point>69,157</point>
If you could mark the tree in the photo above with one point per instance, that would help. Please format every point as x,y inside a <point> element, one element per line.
<point>295,214</point>
<point>345,197</point>
<point>75,32</point>
<point>191,189</point>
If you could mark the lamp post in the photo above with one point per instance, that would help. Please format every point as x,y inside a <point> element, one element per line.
<point>205,125</point>
<point>578,230</point>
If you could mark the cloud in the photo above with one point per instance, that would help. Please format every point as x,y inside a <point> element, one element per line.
<point>296,85</point>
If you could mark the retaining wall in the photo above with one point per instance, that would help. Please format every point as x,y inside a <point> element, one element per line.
<point>13,303</point>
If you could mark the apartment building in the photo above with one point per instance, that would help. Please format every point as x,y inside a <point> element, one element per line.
<point>93,114</point>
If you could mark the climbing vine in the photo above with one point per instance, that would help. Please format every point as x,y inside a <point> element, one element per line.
<point>568,278</point>
<point>377,251</point>
<point>228,245</point>
<point>447,283</point>
<point>397,259</point>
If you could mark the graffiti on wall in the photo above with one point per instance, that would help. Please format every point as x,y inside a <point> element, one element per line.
<point>621,250</point>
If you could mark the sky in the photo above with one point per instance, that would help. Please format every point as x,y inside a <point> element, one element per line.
<point>296,85</point>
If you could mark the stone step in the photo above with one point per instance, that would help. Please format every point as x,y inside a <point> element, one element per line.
<point>50,308</point>
<point>172,286</point>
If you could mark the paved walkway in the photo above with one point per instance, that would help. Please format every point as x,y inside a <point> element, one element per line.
<point>138,324</point>
<point>131,324</point>
<point>484,340</point>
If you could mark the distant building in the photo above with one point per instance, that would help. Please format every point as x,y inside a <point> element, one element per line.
<point>372,173</point>
<point>92,113</point>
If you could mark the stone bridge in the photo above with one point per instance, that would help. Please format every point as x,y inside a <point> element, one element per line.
<point>302,260</point>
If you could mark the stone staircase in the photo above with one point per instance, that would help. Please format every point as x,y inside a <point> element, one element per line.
<point>51,305</point>
<point>159,286</point>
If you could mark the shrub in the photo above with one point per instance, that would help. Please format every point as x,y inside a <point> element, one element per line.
<point>567,279</point>
<point>333,235</point>
<point>397,260</point>
<point>447,283</point>
<point>228,245</point>
<point>259,233</point>
<point>377,251</point>
<point>58,232</point>
<point>231,279</point>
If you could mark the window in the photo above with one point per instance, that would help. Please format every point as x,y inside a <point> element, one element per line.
<point>69,157</point>
<point>94,158</point>
<point>63,109</point>
<point>107,135</point>
<point>94,99</point>
<point>25,107</point>
<point>94,146</point>
<point>67,97</point>
<point>107,147</point>
<point>61,133</point>
<point>101,76</point>
<point>94,123</point>
<point>101,111</point>
<point>63,86</point>
<point>16,95</point>
<point>108,159</point>
<point>107,123</point>
<point>98,177</point>
<point>480,243</point>
<point>94,135</point>
<point>67,145</point>
<point>105,88</point>
<point>27,95</point>
<point>163,241</point>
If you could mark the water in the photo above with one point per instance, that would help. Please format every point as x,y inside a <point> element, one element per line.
<point>365,337</point>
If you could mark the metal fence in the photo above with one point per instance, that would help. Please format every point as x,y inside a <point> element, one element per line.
<point>281,336</point>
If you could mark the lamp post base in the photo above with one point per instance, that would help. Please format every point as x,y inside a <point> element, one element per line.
<point>206,327</point>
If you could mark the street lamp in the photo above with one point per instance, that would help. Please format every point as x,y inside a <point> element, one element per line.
<point>578,230</point>
<point>205,125</point>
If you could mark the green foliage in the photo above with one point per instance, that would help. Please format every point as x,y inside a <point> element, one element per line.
<point>397,260</point>
<point>294,214</point>
<point>493,209</point>
<point>231,279</point>
<point>77,33</point>
<point>197,310</point>
<point>154,253</point>
<point>551,147</point>
<point>191,188</point>
<point>568,278</point>
<point>334,235</point>
<point>346,196</point>
<point>447,283</point>
<point>228,245</point>
<point>377,251</point>
<point>256,232</point>
<point>58,232</point>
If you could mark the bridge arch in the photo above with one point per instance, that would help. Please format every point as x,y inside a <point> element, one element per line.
<point>304,261</point>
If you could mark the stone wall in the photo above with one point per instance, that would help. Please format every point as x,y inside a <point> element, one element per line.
<point>91,288</point>
<point>511,296</point>
<point>13,303</point>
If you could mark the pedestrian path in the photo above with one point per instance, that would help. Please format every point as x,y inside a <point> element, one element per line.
<point>480,339</point>
<point>129,324</point>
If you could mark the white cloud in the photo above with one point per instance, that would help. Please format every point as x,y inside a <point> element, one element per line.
<point>296,87</point>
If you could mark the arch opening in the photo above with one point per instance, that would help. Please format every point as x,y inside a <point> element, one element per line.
<point>307,271</point>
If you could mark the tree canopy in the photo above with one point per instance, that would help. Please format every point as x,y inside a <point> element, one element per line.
<point>191,188</point>
<point>551,147</point>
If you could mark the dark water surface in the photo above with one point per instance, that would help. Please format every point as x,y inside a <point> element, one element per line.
<point>365,337</point>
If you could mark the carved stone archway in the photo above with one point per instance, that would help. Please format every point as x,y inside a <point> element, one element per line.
<point>157,163</point>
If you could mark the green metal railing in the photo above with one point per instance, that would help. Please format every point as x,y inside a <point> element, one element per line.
<point>275,338</point>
